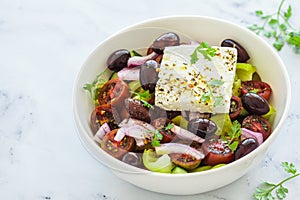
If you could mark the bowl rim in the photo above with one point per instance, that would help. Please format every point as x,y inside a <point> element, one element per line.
<point>143,24</point>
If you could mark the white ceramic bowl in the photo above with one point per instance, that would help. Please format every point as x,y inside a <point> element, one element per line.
<point>213,31</point>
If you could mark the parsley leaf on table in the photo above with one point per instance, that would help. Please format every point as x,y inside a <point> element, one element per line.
<point>264,192</point>
<point>278,27</point>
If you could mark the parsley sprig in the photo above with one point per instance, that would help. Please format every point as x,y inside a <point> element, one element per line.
<point>158,136</point>
<point>204,48</point>
<point>265,192</point>
<point>278,27</point>
<point>233,135</point>
<point>143,97</point>
<point>95,87</point>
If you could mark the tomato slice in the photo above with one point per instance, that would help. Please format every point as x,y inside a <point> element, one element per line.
<point>159,124</point>
<point>257,123</point>
<point>114,91</point>
<point>259,87</point>
<point>216,152</point>
<point>185,161</point>
<point>114,148</point>
<point>100,115</point>
<point>106,113</point>
<point>235,107</point>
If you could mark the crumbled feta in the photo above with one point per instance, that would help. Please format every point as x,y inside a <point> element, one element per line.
<point>205,86</point>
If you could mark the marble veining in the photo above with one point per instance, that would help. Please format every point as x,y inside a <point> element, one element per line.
<point>42,46</point>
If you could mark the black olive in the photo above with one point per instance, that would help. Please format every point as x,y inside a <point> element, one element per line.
<point>242,53</point>
<point>118,60</point>
<point>202,127</point>
<point>172,114</point>
<point>157,112</point>
<point>160,122</point>
<point>149,75</point>
<point>246,146</point>
<point>167,39</point>
<point>137,110</point>
<point>255,104</point>
<point>132,159</point>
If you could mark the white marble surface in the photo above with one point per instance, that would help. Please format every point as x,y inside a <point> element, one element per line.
<point>42,46</point>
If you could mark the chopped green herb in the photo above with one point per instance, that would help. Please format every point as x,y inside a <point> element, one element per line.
<point>254,91</point>
<point>95,87</point>
<point>218,100</point>
<point>169,126</point>
<point>204,48</point>
<point>278,27</point>
<point>215,82</point>
<point>156,139</point>
<point>205,97</point>
<point>143,97</point>
<point>233,135</point>
<point>264,192</point>
<point>158,136</point>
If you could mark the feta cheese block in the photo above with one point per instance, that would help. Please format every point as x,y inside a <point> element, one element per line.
<point>205,86</point>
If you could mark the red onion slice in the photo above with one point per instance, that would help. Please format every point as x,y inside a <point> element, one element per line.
<point>139,60</point>
<point>139,133</point>
<point>130,74</point>
<point>168,148</point>
<point>132,122</point>
<point>102,131</point>
<point>185,134</point>
<point>246,133</point>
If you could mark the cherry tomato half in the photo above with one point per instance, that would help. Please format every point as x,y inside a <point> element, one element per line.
<point>114,148</point>
<point>261,88</point>
<point>100,115</point>
<point>235,107</point>
<point>185,161</point>
<point>257,123</point>
<point>158,58</point>
<point>114,91</point>
<point>159,124</point>
<point>216,152</point>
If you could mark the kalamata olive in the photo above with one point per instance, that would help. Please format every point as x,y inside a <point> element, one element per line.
<point>242,53</point>
<point>149,75</point>
<point>137,110</point>
<point>255,104</point>
<point>246,146</point>
<point>167,39</point>
<point>235,107</point>
<point>132,158</point>
<point>160,122</point>
<point>118,60</point>
<point>202,127</point>
<point>171,114</point>
<point>157,112</point>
